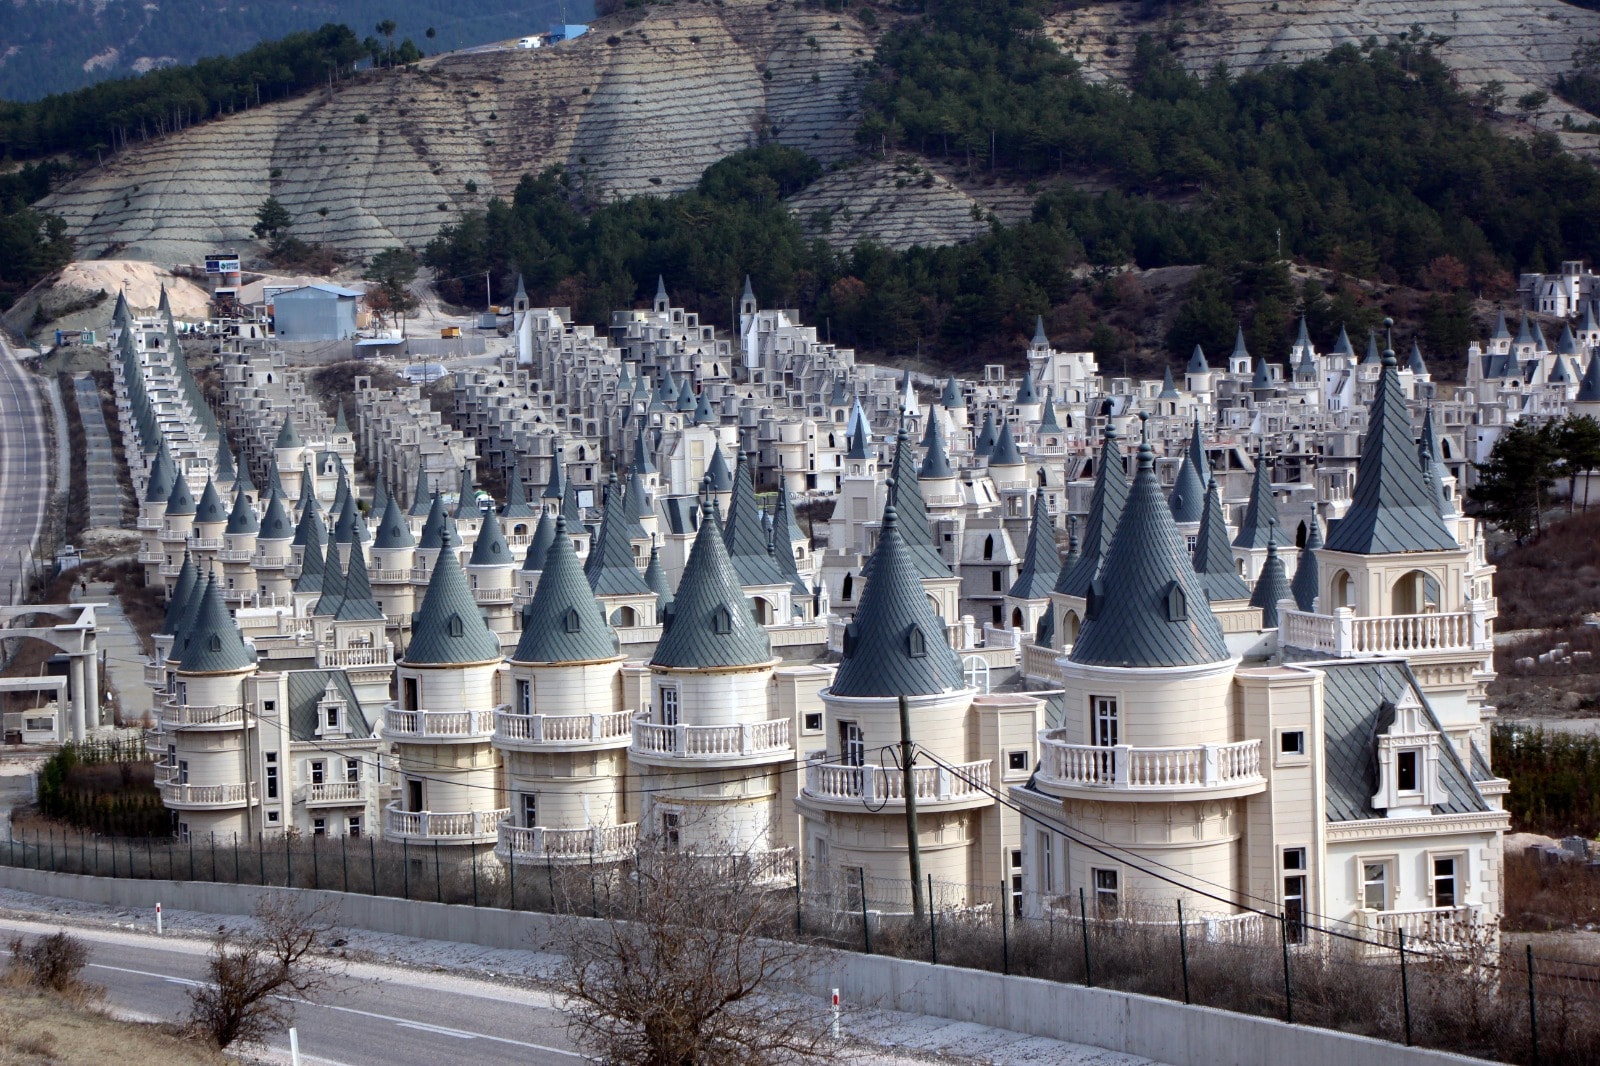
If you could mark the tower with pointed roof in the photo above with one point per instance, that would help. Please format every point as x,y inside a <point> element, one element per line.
<point>394,553</point>
<point>1259,524</point>
<point>491,573</point>
<point>1105,510</point>
<point>1028,598</point>
<point>238,553</point>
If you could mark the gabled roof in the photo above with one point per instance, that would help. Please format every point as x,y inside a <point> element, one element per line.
<point>213,643</point>
<point>710,623</point>
<point>356,603</point>
<point>564,623</point>
<point>1305,572</point>
<point>242,519</point>
<point>307,688</point>
<point>1188,499</point>
<point>1213,557</point>
<point>744,536</point>
<point>1392,509</point>
<point>1041,562</point>
<point>1259,526</point>
<point>1358,700</point>
<point>1005,451</point>
<point>180,501</point>
<point>1105,509</point>
<point>448,628</point>
<point>1147,607</point>
<point>491,549</point>
<point>610,568</point>
<point>1271,586</point>
<point>895,645</point>
<point>393,530</point>
<point>182,589</point>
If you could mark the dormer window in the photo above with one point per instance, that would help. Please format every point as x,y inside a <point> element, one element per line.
<point>1406,770</point>
<point>722,621</point>
<point>1408,755</point>
<point>916,643</point>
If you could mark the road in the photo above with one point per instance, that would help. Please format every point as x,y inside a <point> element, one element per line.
<point>24,469</point>
<point>382,1016</point>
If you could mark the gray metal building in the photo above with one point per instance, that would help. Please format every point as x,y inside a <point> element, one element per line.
<point>315,313</point>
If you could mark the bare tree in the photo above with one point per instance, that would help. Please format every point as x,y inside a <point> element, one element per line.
<point>53,963</point>
<point>254,977</point>
<point>684,967</point>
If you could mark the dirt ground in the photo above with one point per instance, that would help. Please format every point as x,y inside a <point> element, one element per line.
<point>40,1030</point>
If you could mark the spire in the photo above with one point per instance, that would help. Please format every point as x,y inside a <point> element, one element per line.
<point>332,582</point>
<point>703,415</point>
<point>211,508</point>
<point>896,644</point>
<point>785,534</point>
<point>1271,586</point>
<point>915,530</point>
<point>1039,338</point>
<point>162,474</point>
<point>717,475</point>
<point>1524,333</point>
<point>1239,349</point>
<point>1261,379</point>
<point>1188,499</point>
<point>610,568</point>
<point>544,534</point>
<point>448,628</point>
<point>356,604</point>
<point>182,589</point>
<point>564,623</point>
<point>710,623</point>
<point>1147,607</point>
<point>242,519</point>
<point>288,436</point>
<point>1342,346</point>
<point>224,462</point>
<point>1005,452</point>
<point>516,496</point>
<point>1392,509</point>
<point>1027,392</point>
<point>1259,527</point>
<point>467,494</point>
<point>745,539</point>
<point>661,290</point>
<point>490,549</point>
<point>213,643</point>
<point>184,619</point>
<point>422,496</point>
<point>309,530</point>
<point>393,530</point>
<point>1105,510</point>
<point>1041,562</point>
<point>1047,416</point>
<point>1213,557</point>
<point>344,527</point>
<point>1501,333</point>
<point>641,454</point>
<point>1303,338</point>
<point>436,531</point>
<point>636,504</point>
<point>1371,358</point>
<point>275,526</point>
<point>655,575</point>
<point>1589,387</point>
<point>1305,572</point>
<point>180,501</point>
<point>952,397</point>
<point>984,443</point>
<point>1567,345</point>
<point>936,463</point>
<point>340,423</point>
<point>555,488</point>
<point>1197,362</point>
<point>1169,391</point>
<point>1416,365</point>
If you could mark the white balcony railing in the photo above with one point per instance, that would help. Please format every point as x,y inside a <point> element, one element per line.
<point>390,576</point>
<point>1040,664</point>
<point>236,555</point>
<point>155,675</point>
<point>174,794</point>
<point>1427,928</point>
<point>492,596</point>
<point>444,826</point>
<point>334,658</point>
<point>336,792</point>
<point>748,739</point>
<point>438,725</point>
<point>886,784</point>
<point>1126,768</point>
<point>557,729</point>
<point>1346,635</point>
<point>188,716</point>
<point>601,843</point>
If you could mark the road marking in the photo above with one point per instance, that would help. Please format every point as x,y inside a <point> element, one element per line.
<point>439,1030</point>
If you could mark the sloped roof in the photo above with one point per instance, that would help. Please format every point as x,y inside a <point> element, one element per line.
<point>180,501</point>
<point>162,474</point>
<point>1105,509</point>
<point>1027,392</point>
<point>1147,607</point>
<point>490,548</point>
<point>1213,557</point>
<point>1259,526</point>
<point>895,645</point>
<point>1197,362</point>
<point>393,530</point>
<point>436,528</point>
<point>213,643</point>
<point>1188,499</point>
<point>309,530</point>
<point>1392,509</point>
<point>544,534</point>
<point>718,477</point>
<point>306,691</point>
<point>710,623</point>
<point>1169,391</point>
<point>1305,573</point>
<point>655,575</point>
<point>952,396</point>
<point>915,529</point>
<point>984,443</point>
<point>356,602</point>
<point>1041,562</point>
<point>517,505</point>
<point>1271,586</point>
<point>564,623</point>
<point>332,582</point>
<point>610,568</point>
<point>182,589</point>
<point>1047,415</point>
<point>422,497</point>
<point>1500,330</point>
<point>288,436</point>
<point>242,519</point>
<point>1005,451</point>
<point>936,463</point>
<point>1589,387</point>
<point>1355,694</point>
<point>448,628</point>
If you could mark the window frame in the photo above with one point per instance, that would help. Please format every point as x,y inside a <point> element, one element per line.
<point>1105,885</point>
<point>1390,863</point>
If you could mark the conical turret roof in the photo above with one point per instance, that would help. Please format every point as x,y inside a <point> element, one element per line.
<point>422,496</point>
<point>356,604</point>
<point>1105,510</point>
<point>1305,572</point>
<point>1392,509</point>
<point>936,463</point>
<point>393,530</point>
<point>288,436</point>
<point>1005,452</point>
<point>1589,387</point>
<point>180,501</point>
<point>744,536</point>
<point>610,568</point>
<point>1418,367</point>
<point>1188,499</point>
<point>1213,557</point>
<point>555,488</point>
<point>1047,414</point>
<point>1041,562</point>
<point>332,582</point>
<point>1197,362</point>
<point>491,549</point>
<point>311,575</point>
<point>1259,525</point>
<point>952,396</point>
<point>655,575</point>
<point>242,519</point>
<point>224,463</point>
<point>1500,330</point>
<point>1147,607</point>
<point>718,477</point>
<point>1271,586</point>
<point>915,530</point>
<point>213,643</point>
<point>517,505</point>
<point>895,645</point>
<point>544,534</point>
<point>1169,390</point>
<point>1027,392</point>
<point>448,629</point>
<point>710,623</point>
<point>1342,346</point>
<point>467,494</point>
<point>564,623</point>
<point>436,527</point>
<point>162,474</point>
<point>984,443</point>
<point>182,589</point>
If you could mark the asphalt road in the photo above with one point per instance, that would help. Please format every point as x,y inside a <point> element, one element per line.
<point>382,1016</point>
<point>24,468</point>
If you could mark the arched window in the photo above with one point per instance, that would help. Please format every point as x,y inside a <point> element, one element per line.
<point>1016,618</point>
<point>1414,592</point>
<point>988,547</point>
<point>1342,589</point>
<point>1069,628</point>
<point>916,643</point>
<point>722,620</point>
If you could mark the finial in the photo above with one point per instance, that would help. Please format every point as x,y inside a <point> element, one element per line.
<point>1144,427</point>
<point>1272,537</point>
<point>1388,343</point>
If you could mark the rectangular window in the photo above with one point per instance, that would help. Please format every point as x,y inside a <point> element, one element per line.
<point>994,580</point>
<point>1406,771</point>
<point>1375,886</point>
<point>852,878</point>
<point>1016,882</point>
<point>413,794</point>
<point>852,744</point>
<point>272,817</point>
<point>183,771</point>
<point>671,828</point>
<point>1017,761</point>
<point>812,722</point>
<point>1294,908</point>
<point>269,706</point>
<point>1103,729</point>
<point>352,770</point>
<point>181,692</point>
<point>530,810</point>
<point>183,832</point>
<point>1044,873</point>
<point>355,825</point>
<point>272,775</point>
<point>1292,742</point>
<point>669,705</point>
<point>333,717</point>
<point>524,693</point>
<point>1444,883</point>
<point>319,827</point>
<point>1105,893</point>
<point>319,771</point>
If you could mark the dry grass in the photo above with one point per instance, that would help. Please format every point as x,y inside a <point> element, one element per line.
<point>1542,896</point>
<point>1554,581</point>
<point>40,1030</point>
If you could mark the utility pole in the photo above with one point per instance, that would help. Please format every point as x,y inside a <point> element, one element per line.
<point>488,296</point>
<point>908,785</point>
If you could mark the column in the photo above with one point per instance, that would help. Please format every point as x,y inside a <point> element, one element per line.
<point>91,671</point>
<point>75,678</point>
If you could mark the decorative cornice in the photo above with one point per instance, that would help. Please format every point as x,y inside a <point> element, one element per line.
<point>1431,825</point>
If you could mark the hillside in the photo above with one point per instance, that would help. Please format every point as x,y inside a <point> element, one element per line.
<point>52,46</point>
<point>643,103</point>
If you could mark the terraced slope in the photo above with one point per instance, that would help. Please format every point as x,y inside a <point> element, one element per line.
<point>638,105</point>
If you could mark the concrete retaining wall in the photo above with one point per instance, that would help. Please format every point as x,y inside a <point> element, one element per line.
<point>1159,1029</point>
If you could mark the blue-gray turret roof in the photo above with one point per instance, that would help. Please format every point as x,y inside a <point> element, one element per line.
<point>718,477</point>
<point>393,529</point>
<point>162,474</point>
<point>1342,346</point>
<point>744,536</point>
<point>332,582</point>
<point>467,494</point>
<point>242,519</point>
<point>1500,330</point>
<point>1392,509</point>
<point>288,436</point>
<point>356,604</point>
<point>311,565</point>
<point>564,623</point>
<point>1371,358</point>
<point>448,629</point>
<point>1261,379</point>
<point>655,575</point>
<point>422,496</point>
<point>637,503</point>
<point>984,443</point>
<point>1524,333</point>
<point>1041,561</point>
<point>936,463</point>
<point>1259,525</point>
<point>1040,340</point>
<point>858,443</point>
<point>309,529</point>
<point>344,527</point>
<point>182,589</point>
<point>1240,351</point>
<point>1105,509</point>
<point>1147,607</point>
<point>491,549</point>
<point>1047,416</point>
<point>1589,387</point>
<point>1027,392</point>
<point>1305,572</point>
<point>1271,586</point>
<point>1416,364</point>
<point>642,462</point>
<point>895,645</point>
<point>952,396</point>
<point>710,623</point>
<point>610,568</point>
<point>180,501</point>
<point>436,529</point>
<point>1005,451</point>
<point>915,530</point>
<point>1213,557</point>
<point>224,461</point>
<point>1197,362</point>
<point>517,505</point>
<point>544,534</point>
<point>1188,499</point>
<point>703,414</point>
<point>213,644</point>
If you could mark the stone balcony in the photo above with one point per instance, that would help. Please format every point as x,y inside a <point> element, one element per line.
<point>1130,774</point>
<point>175,716</point>
<point>1428,928</point>
<point>543,846</point>
<point>842,787</point>
<point>1346,635</point>
<point>355,658</point>
<point>562,732</point>
<point>492,596</point>
<point>335,794</point>
<point>445,727</point>
<point>743,744</point>
<point>446,827</point>
<point>186,797</point>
